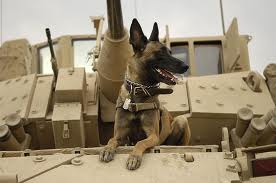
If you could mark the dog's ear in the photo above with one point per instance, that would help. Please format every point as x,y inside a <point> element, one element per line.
<point>155,33</point>
<point>137,38</point>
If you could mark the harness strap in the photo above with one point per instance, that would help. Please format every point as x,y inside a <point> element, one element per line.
<point>136,107</point>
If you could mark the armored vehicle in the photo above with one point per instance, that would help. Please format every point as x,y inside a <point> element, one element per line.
<point>57,108</point>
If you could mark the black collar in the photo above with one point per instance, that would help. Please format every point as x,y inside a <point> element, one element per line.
<point>137,89</point>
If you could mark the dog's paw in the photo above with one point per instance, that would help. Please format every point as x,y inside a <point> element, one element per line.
<point>107,154</point>
<point>133,162</point>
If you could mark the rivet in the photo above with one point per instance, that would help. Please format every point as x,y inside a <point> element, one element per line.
<point>198,101</point>
<point>8,82</point>
<point>231,88</point>
<point>188,157</point>
<point>219,103</point>
<point>18,111</point>
<point>201,87</point>
<point>24,96</point>
<point>183,105</point>
<point>243,88</point>
<point>34,111</point>
<point>214,87</point>
<point>249,105</point>
<point>18,79</point>
<point>14,98</point>
<point>39,159</point>
<point>77,161</point>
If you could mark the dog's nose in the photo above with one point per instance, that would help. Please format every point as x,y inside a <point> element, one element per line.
<point>184,67</point>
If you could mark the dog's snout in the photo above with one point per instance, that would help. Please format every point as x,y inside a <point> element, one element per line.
<point>184,67</point>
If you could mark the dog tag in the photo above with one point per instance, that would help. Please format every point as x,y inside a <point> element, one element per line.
<point>126,103</point>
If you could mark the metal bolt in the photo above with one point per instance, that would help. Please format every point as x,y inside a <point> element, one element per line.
<point>243,88</point>
<point>198,101</point>
<point>14,99</point>
<point>188,157</point>
<point>77,161</point>
<point>201,87</point>
<point>231,88</point>
<point>39,159</point>
<point>18,79</point>
<point>215,87</point>
<point>220,104</point>
<point>34,111</point>
<point>24,96</point>
<point>183,105</point>
<point>249,105</point>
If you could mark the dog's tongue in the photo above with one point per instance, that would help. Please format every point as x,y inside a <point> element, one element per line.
<point>170,75</point>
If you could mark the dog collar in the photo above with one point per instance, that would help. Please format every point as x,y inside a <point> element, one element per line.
<point>135,89</point>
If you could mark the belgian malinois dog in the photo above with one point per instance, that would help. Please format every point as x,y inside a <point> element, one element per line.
<point>140,119</point>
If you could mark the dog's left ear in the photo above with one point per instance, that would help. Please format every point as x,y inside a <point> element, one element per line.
<point>155,33</point>
<point>137,38</point>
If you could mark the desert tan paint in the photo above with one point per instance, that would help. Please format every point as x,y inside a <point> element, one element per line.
<point>210,103</point>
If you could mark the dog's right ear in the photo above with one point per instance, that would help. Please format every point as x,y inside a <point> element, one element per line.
<point>137,38</point>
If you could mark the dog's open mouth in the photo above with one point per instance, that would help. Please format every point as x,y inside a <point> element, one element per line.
<point>166,76</point>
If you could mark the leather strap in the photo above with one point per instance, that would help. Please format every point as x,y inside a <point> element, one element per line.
<point>135,107</point>
<point>146,90</point>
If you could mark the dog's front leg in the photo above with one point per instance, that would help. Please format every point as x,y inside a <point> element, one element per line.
<point>135,158</point>
<point>121,129</point>
<point>108,151</point>
<point>150,124</point>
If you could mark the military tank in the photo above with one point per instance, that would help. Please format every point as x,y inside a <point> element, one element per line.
<point>57,108</point>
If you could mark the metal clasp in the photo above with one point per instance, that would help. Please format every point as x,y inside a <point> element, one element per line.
<point>66,131</point>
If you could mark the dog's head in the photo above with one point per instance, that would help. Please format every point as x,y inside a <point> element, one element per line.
<point>157,58</point>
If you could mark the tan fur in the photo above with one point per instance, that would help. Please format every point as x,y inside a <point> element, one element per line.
<point>149,120</point>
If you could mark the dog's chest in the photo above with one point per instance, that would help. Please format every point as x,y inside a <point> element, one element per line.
<point>136,132</point>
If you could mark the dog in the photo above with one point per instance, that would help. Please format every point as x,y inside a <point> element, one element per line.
<point>139,118</point>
